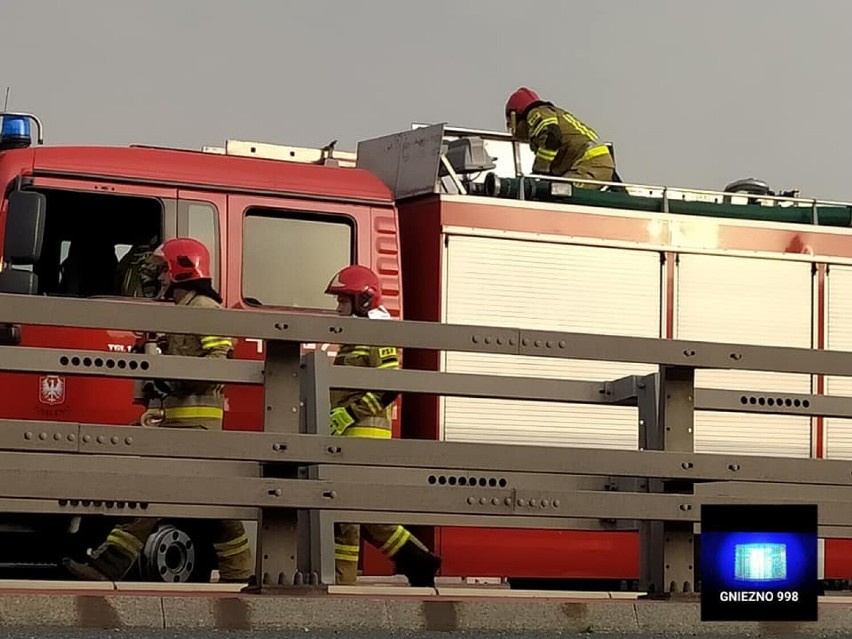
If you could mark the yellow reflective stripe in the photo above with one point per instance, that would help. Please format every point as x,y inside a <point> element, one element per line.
<point>533,117</point>
<point>212,341</point>
<point>344,557</point>
<point>582,128</point>
<point>211,345</point>
<point>344,552</point>
<point>194,412</point>
<point>373,403</point>
<point>546,122</point>
<point>595,151</point>
<point>368,431</point>
<point>238,550</point>
<point>125,542</point>
<point>546,155</point>
<point>233,543</point>
<point>360,351</point>
<point>397,540</point>
<point>390,364</point>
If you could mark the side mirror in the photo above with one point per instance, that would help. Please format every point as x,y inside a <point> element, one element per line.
<point>24,227</point>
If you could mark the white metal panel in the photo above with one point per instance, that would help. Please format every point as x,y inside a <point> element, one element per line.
<point>549,286</point>
<point>747,301</point>
<point>838,337</point>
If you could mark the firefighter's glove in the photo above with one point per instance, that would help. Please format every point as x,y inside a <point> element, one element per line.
<point>341,419</point>
<point>163,388</point>
<point>152,417</point>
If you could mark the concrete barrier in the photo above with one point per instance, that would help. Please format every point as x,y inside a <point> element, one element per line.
<point>370,610</point>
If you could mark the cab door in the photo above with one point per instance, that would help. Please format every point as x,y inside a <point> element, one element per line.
<point>91,227</point>
<point>282,252</point>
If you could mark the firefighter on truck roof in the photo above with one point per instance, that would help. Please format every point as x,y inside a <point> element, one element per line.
<point>368,414</point>
<point>563,145</point>
<point>182,266</point>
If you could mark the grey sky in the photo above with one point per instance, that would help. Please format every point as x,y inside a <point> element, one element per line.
<point>692,93</point>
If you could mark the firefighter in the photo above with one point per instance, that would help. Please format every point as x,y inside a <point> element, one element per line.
<point>368,414</point>
<point>563,145</point>
<point>183,267</point>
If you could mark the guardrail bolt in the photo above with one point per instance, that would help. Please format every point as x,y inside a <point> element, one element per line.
<point>28,435</point>
<point>471,500</point>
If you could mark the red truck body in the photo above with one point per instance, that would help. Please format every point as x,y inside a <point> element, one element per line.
<point>278,230</point>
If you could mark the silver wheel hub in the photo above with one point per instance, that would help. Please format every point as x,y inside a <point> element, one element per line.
<point>168,556</point>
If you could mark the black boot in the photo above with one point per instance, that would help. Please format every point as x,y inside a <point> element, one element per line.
<point>105,564</point>
<point>418,565</point>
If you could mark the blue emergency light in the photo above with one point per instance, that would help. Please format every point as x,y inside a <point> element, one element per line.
<point>15,132</point>
<point>760,562</point>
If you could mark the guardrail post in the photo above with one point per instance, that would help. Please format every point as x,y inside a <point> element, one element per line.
<point>316,527</point>
<point>276,533</point>
<point>666,422</point>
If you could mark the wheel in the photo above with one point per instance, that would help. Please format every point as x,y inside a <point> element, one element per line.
<point>176,553</point>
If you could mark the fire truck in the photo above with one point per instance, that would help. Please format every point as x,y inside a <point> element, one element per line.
<point>460,233</point>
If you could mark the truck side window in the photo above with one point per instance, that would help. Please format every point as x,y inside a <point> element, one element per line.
<point>90,240</point>
<point>289,258</point>
<point>201,221</point>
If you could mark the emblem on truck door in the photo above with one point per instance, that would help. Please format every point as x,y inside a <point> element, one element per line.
<point>51,390</point>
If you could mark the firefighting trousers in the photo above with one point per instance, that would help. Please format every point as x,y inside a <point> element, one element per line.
<point>124,543</point>
<point>599,168</point>
<point>194,411</point>
<point>389,539</point>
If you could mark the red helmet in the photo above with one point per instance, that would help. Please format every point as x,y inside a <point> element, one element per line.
<point>186,260</point>
<point>521,100</point>
<point>359,282</point>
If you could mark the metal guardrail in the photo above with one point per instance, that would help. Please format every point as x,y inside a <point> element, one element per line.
<point>297,481</point>
<point>666,191</point>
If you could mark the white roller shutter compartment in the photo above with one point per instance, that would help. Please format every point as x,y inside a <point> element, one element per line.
<point>549,286</point>
<point>838,432</point>
<point>747,301</point>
